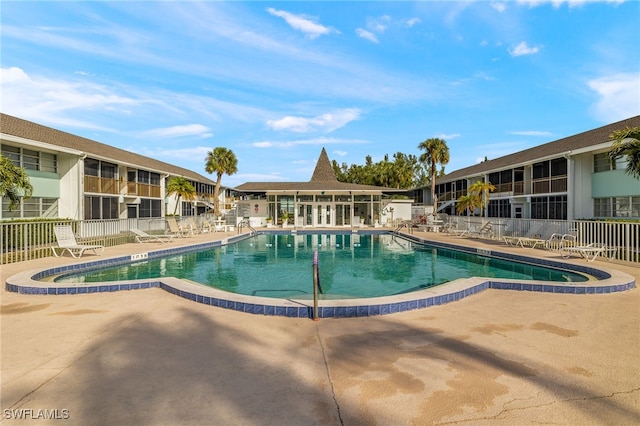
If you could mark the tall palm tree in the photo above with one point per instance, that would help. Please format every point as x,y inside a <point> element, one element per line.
<point>436,152</point>
<point>14,182</point>
<point>481,190</point>
<point>181,187</point>
<point>220,161</point>
<point>627,142</point>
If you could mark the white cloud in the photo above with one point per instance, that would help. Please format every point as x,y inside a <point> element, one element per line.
<point>50,101</point>
<point>302,23</point>
<point>313,141</point>
<point>170,155</point>
<point>523,49</point>
<point>557,3</point>
<point>617,96</point>
<point>198,130</point>
<point>339,153</point>
<point>411,22</point>
<point>367,35</point>
<point>531,133</point>
<point>378,25</point>
<point>499,6</point>
<point>324,123</point>
<point>448,136</point>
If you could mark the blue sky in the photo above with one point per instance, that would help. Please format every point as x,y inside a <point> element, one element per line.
<point>277,81</point>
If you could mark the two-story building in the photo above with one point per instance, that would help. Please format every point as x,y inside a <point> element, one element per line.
<point>570,178</point>
<point>78,178</point>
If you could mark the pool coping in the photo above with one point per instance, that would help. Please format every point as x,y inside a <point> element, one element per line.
<point>607,280</point>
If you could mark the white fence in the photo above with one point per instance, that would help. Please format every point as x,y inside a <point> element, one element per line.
<point>625,236</point>
<point>23,240</point>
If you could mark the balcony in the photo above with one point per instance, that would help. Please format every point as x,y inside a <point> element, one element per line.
<point>100,185</point>
<point>549,185</point>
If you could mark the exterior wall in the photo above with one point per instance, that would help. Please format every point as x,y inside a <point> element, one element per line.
<point>580,196</point>
<point>614,183</point>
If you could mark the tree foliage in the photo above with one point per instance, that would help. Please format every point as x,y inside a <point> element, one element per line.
<point>626,142</point>
<point>182,188</point>
<point>402,172</point>
<point>476,198</point>
<point>14,182</point>
<point>220,161</point>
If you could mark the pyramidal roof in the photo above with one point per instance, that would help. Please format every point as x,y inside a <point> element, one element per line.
<point>323,172</point>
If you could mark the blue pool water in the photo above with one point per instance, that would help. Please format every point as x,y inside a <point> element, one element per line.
<point>351,266</point>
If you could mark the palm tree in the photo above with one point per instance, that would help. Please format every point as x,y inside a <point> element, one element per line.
<point>220,161</point>
<point>14,182</point>
<point>627,142</point>
<point>183,188</point>
<point>436,152</point>
<point>465,203</point>
<point>481,190</point>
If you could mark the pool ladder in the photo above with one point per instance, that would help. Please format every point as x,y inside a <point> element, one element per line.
<point>407,223</point>
<point>252,231</point>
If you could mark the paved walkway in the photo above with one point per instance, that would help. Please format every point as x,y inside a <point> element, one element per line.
<point>147,357</point>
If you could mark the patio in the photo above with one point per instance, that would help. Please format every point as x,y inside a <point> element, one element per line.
<point>145,356</point>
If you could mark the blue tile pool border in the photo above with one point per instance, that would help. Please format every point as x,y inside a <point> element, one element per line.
<point>350,308</point>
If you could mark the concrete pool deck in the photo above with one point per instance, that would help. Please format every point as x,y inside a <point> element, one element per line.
<point>499,357</point>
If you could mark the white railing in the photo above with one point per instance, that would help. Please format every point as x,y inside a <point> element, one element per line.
<point>23,240</point>
<point>625,236</point>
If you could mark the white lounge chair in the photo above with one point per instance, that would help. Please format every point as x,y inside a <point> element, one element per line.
<point>143,237</point>
<point>67,242</point>
<point>483,231</point>
<point>533,232</point>
<point>547,233</point>
<point>589,252</point>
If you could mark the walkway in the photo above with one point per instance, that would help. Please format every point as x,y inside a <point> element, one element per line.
<point>147,357</point>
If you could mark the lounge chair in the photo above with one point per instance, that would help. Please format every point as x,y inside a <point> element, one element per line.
<point>474,230</point>
<point>175,229</point>
<point>143,237</point>
<point>193,226</point>
<point>67,242</point>
<point>533,232</point>
<point>483,231</point>
<point>589,252</point>
<point>547,233</point>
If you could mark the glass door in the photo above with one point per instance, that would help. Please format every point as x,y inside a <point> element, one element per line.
<point>323,215</point>
<point>343,214</point>
<point>305,215</point>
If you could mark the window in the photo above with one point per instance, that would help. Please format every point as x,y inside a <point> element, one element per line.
<point>31,160</point>
<point>623,207</point>
<point>499,208</point>
<point>31,207</point>
<point>602,163</point>
<point>143,176</point>
<point>150,208</point>
<point>100,207</point>
<point>48,162</point>
<point>541,170</point>
<point>154,179</point>
<point>554,207</point>
<point>12,153</point>
<point>108,170</point>
<point>91,167</point>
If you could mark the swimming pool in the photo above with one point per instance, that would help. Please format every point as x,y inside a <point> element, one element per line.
<point>351,266</point>
<point>40,281</point>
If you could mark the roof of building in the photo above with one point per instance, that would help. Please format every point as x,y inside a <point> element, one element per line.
<point>18,127</point>
<point>556,148</point>
<point>323,179</point>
